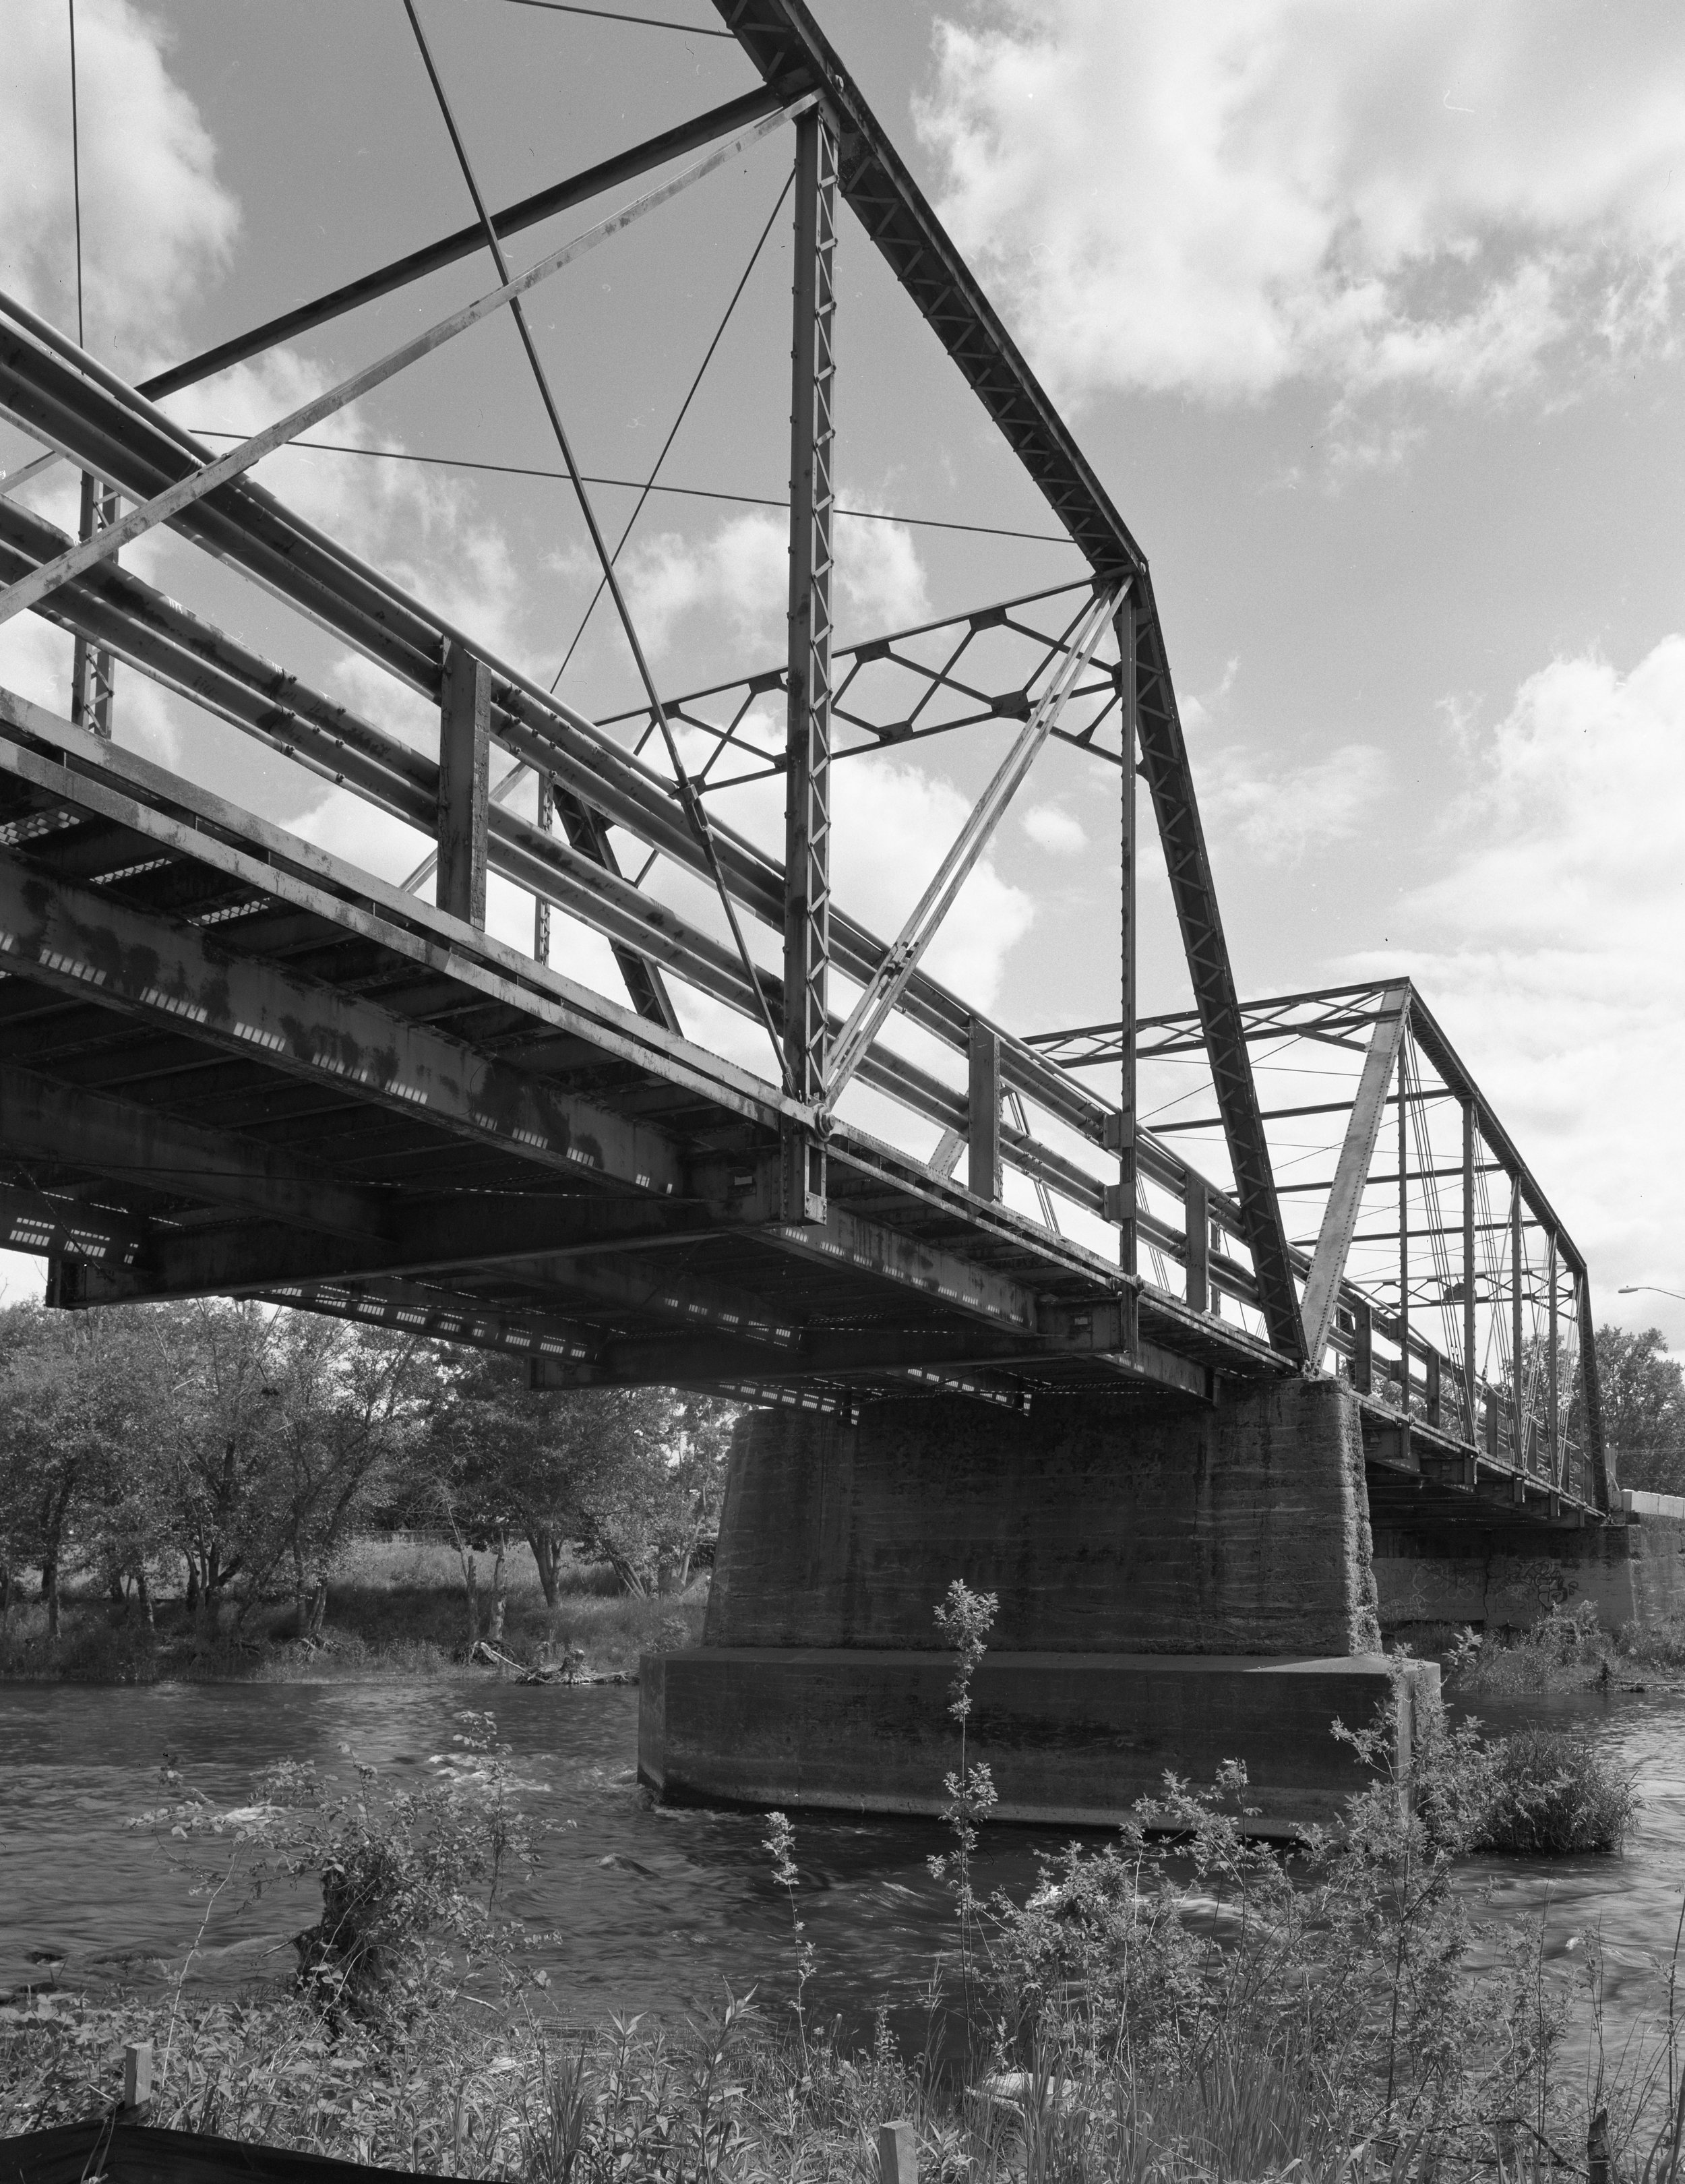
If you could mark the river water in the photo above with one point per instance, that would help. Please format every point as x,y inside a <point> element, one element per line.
<point>650,1908</point>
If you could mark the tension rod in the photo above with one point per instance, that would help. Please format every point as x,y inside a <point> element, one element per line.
<point>690,802</point>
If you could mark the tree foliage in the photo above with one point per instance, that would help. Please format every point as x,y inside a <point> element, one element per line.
<point>1643,1408</point>
<point>243,1446</point>
<point>630,1475</point>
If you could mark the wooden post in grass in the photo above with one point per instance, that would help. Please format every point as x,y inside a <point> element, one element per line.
<point>1600,2166</point>
<point>897,2154</point>
<point>136,2078</point>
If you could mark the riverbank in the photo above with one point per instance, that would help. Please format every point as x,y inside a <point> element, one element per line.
<point>397,1611</point>
<point>636,1911</point>
<point>1566,1651</point>
<point>1142,2014</point>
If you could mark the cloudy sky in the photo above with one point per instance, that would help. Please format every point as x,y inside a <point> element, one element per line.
<point>1371,318</point>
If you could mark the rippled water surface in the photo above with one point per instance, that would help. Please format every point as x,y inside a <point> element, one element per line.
<point>651,1909</point>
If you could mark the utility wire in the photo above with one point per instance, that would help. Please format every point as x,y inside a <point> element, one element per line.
<point>503,790</point>
<point>638,485</point>
<point>684,411</point>
<point>614,16</point>
<point>690,801</point>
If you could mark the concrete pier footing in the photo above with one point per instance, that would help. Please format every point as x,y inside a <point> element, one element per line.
<point>1178,1584</point>
<point>1071,1740</point>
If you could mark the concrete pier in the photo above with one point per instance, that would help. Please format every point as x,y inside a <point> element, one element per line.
<point>1504,1579</point>
<point>1178,1586</point>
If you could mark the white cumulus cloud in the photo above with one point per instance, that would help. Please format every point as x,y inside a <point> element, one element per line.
<point>156,221</point>
<point>739,574</point>
<point>1278,813</point>
<point>1220,199</point>
<point>1554,951</point>
<point>1053,829</point>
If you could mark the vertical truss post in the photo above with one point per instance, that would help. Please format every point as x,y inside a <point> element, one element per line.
<point>1404,1230</point>
<point>1129,1004</point>
<point>1591,1394</point>
<point>983,1092</point>
<point>807,781</point>
<point>92,673</point>
<point>1518,1407</point>
<point>1471,1376</point>
<point>1432,1398</point>
<point>541,909</point>
<point>1196,1232</point>
<point>1553,1447</point>
<point>465,755</point>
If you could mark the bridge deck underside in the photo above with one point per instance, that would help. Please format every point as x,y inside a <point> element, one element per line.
<point>230,1064</point>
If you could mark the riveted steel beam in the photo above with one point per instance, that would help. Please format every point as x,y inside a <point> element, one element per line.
<point>44,1120</point>
<point>159,971</point>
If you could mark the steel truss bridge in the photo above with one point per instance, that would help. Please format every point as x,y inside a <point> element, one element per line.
<point>232,1063</point>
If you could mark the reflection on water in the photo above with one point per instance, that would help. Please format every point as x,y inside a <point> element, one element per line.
<point>651,1909</point>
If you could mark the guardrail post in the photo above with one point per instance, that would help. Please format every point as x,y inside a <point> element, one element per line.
<point>464,765</point>
<point>983,1172</point>
<point>1196,1227</point>
<point>1363,1347</point>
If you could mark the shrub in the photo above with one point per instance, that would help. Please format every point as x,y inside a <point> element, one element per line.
<point>1656,1645</point>
<point>1566,1651</point>
<point>105,1653</point>
<point>1551,1792</point>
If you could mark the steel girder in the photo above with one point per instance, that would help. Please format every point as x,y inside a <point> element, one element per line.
<point>1163,761</point>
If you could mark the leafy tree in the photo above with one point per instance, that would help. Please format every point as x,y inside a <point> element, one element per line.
<point>632,1474</point>
<point>346,1405</point>
<point>1643,1408</point>
<point>79,1397</point>
<point>223,1451</point>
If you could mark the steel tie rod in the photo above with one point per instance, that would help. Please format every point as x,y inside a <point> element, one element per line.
<point>689,800</point>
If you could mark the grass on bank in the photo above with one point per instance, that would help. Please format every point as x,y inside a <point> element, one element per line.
<point>1198,2009</point>
<point>1184,2005</point>
<point>395,1608</point>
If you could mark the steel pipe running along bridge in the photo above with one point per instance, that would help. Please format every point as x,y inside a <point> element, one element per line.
<point>231,1063</point>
